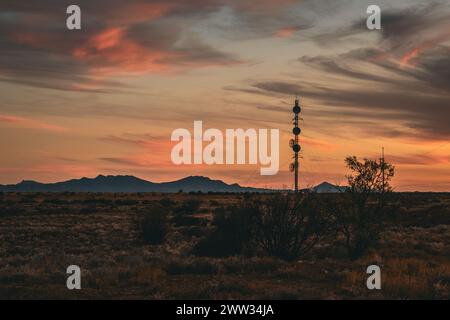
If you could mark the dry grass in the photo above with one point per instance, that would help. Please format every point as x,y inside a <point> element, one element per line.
<point>42,234</point>
<point>405,278</point>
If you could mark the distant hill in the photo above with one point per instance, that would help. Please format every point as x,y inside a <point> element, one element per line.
<point>130,184</point>
<point>326,187</point>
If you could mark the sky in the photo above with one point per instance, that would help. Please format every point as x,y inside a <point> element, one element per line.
<point>105,99</point>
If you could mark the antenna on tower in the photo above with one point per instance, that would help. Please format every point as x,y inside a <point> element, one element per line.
<point>293,143</point>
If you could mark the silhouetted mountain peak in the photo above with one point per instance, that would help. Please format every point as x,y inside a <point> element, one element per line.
<point>198,179</point>
<point>325,184</point>
<point>193,178</point>
<point>102,177</point>
<point>28,182</point>
<point>326,187</point>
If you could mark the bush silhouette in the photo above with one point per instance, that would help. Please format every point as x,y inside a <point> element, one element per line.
<point>289,226</point>
<point>182,214</point>
<point>284,226</point>
<point>363,210</point>
<point>167,202</point>
<point>153,224</point>
<point>232,234</point>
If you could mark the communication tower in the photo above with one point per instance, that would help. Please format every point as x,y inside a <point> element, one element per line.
<point>294,144</point>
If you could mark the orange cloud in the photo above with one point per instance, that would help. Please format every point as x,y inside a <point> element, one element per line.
<point>113,52</point>
<point>31,123</point>
<point>409,59</point>
<point>108,39</point>
<point>317,143</point>
<point>405,61</point>
<point>110,52</point>
<point>151,153</point>
<point>286,32</point>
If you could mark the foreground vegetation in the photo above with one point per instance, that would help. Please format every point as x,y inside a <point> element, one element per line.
<point>151,246</point>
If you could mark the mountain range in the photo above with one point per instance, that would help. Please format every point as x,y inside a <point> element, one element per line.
<point>130,184</point>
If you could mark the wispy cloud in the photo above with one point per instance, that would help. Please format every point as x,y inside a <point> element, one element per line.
<point>31,123</point>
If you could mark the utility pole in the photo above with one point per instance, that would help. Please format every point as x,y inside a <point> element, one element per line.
<point>293,143</point>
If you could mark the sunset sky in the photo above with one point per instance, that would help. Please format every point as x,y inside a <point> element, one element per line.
<point>105,99</point>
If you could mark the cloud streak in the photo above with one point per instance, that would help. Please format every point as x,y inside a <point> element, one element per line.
<point>30,123</point>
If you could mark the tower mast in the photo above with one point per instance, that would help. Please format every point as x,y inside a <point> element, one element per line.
<point>294,142</point>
